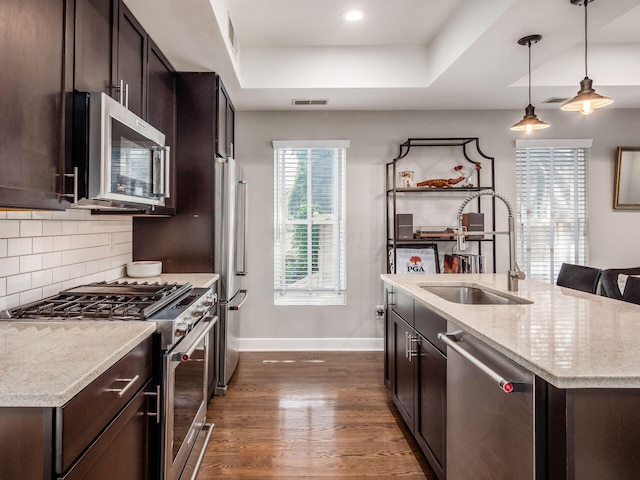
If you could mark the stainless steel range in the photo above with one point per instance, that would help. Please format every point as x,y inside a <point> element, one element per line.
<point>185,319</point>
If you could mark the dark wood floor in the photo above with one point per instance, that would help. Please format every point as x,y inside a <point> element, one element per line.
<point>320,415</point>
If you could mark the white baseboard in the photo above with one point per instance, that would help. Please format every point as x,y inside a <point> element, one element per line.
<point>311,344</point>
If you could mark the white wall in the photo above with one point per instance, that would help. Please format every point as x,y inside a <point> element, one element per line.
<point>374,140</point>
<point>42,253</point>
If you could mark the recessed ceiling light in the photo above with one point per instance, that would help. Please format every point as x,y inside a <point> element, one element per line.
<point>354,15</point>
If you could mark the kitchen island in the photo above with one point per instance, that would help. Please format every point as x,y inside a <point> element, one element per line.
<point>573,359</point>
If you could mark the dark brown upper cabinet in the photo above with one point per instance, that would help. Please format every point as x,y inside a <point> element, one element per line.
<point>110,52</point>
<point>130,70</point>
<point>95,39</point>
<point>32,52</point>
<point>113,53</point>
<point>161,112</point>
<point>225,121</point>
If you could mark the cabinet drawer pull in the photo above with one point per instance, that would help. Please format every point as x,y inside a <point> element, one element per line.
<point>121,391</point>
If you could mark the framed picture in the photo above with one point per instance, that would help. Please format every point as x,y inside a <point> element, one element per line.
<point>414,260</point>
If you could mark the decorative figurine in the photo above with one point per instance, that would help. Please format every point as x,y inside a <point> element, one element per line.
<point>450,182</point>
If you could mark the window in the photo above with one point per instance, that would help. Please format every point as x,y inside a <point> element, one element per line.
<point>551,204</point>
<point>309,259</point>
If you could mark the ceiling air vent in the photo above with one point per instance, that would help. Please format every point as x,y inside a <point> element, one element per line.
<point>555,100</point>
<point>309,102</point>
<point>233,39</point>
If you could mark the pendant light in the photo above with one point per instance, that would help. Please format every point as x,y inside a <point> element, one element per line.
<point>530,123</point>
<point>587,100</point>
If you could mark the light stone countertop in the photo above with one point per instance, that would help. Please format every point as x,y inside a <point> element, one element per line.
<point>198,280</point>
<point>569,338</point>
<point>45,364</point>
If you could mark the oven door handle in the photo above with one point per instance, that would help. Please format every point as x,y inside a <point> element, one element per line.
<point>184,356</point>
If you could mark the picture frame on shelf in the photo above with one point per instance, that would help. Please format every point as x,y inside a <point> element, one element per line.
<point>421,259</point>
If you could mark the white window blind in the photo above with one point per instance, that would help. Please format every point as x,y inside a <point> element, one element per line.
<point>309,257</point>
<point>551,204</point>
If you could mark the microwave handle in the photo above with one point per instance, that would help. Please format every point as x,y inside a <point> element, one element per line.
<point>167,170</point>
<point>160,173</point>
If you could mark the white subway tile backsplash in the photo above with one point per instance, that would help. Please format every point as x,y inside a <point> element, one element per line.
<point>19,215</point>
<point>9,266</point>
<point>61,274</point>
<point>19,246</point>
<point>78,241</point>
<point>42,215</point>
<point>9,301</point>
<point>53,227</point>
<point>70,228</point>
<point>93,267</point>
<point>41,278</point>
<point>18,283</point>
<point>9,228</point>
<point>42,253</point>
<point>50,260</point>
<point>61,243</point>
<point>30,228</point>
<point>69,257</point>
<point>30,263</point>
<point>30,296</point>
<point>93,240</point>
<point>51,290</point>
<point>42,244</point>
<point>78,270</point>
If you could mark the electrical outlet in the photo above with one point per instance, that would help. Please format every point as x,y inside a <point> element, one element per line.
<point>379,311</point>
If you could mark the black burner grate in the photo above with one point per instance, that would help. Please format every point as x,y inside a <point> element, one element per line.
<point>102,300</point>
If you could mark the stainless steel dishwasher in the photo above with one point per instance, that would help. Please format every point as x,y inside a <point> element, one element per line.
<point>491,431</point>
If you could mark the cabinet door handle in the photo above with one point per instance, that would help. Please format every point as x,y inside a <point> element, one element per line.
<point>121,391</point>
<point>157,395</point>
<point>504,384</point>
<point>406,344</point>
<point>411,352</point>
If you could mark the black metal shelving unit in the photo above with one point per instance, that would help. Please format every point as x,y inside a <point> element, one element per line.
<point>393,191</point>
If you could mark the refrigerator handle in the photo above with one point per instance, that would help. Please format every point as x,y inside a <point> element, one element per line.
<point>244,299</point>
<point>241,228</point>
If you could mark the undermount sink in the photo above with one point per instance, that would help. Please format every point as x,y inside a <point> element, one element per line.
<point>472,295</point>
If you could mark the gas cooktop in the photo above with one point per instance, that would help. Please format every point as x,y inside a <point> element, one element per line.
<point>102,300</point>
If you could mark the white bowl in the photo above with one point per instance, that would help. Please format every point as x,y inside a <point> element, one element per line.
<point>144,269</point>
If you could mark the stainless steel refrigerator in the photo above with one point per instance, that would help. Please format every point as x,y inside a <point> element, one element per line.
<point>209,230</point>
<point>230,252</point>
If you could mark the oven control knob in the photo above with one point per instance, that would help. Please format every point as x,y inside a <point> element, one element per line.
<point>183,328</point>
<point>210,300</point>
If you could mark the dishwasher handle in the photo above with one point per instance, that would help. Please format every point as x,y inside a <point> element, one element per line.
<point>505,385</point>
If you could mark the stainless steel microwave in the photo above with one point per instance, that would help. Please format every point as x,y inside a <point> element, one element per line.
<point>119,160</point>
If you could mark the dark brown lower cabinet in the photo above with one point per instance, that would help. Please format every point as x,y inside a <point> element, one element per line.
<point>121,451</point>
<point>97,435</point>
<point>430,431</point>
<point>404,372</point>
<point>418,388</point>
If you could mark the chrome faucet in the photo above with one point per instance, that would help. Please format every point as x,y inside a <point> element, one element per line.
<point>515,273</point>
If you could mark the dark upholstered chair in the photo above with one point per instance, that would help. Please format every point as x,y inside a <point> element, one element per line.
<point>579,277</point>
<point>609,281</point>
<point>632,290</point>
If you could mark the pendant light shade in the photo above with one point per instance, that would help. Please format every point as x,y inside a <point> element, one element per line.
<point>530,122</point>
<point>587,100</point>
